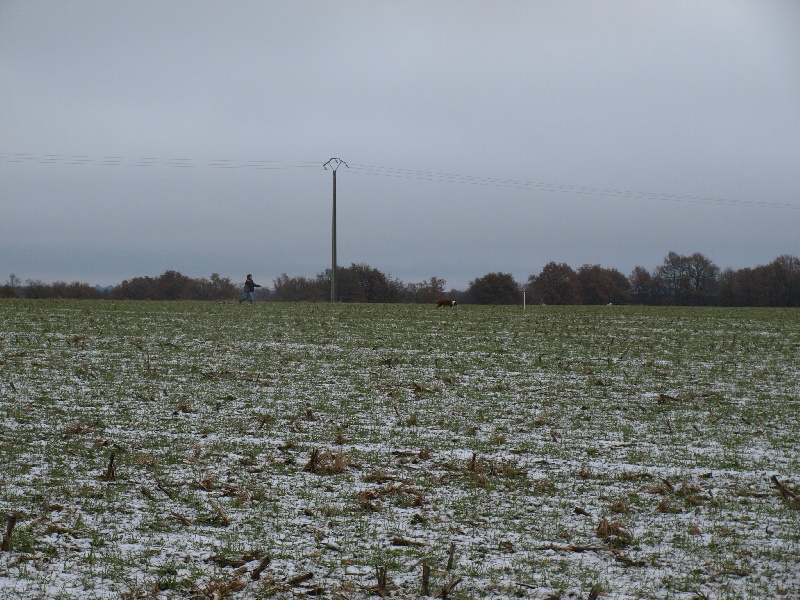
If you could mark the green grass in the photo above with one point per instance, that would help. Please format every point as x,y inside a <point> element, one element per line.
<point>511,434</point>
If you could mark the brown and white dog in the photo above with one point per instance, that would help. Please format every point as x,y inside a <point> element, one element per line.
<point>445,302</point>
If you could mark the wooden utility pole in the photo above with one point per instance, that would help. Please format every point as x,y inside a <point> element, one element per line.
<point>334,163</point>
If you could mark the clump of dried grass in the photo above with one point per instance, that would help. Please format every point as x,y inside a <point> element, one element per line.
<point>659,488</point>
<point>77,428</point>
<point>634,475</point>
<point>544,486</point>
<point>144,460</point>
<point>379,476</point>
<point>621,507</point>
<point>372,499</point>
<point>205,484</point>
<point>667,506</point>
<point>325,462</point>
<point>690,493</point>
<point>481,469</point>
<point>615,533</point>
<point>214,589</point>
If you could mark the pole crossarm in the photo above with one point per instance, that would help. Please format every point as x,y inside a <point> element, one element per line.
<point>335,163</point>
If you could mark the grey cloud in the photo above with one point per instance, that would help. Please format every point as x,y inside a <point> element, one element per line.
<point>680,99</point>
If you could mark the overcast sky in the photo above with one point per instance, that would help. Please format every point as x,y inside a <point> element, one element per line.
<point>480,136</point>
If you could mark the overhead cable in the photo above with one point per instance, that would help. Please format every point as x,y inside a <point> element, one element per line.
<point>373,170</point>
<point>554,187</point>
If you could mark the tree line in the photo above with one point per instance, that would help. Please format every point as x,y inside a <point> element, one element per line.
<point>679,280</point>
<point>170,285</point>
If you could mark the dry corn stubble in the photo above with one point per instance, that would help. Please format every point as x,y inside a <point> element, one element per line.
<point>511,431</point>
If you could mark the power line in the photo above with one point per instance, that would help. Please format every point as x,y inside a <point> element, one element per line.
<point>554,187</point>
<point>154,161</point>
<point>373,170</point>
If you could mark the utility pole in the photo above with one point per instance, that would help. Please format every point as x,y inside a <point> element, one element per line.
<point>334,163</point>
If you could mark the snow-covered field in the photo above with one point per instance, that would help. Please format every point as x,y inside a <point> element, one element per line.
<point>354,450</point>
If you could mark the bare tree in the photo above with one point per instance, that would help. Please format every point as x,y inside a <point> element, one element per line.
<point>688,280</point>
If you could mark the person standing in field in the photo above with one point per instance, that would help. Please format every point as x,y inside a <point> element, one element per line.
<point>249,287</point>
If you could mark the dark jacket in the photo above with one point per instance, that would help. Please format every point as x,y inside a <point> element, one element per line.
<point>250,285</point>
